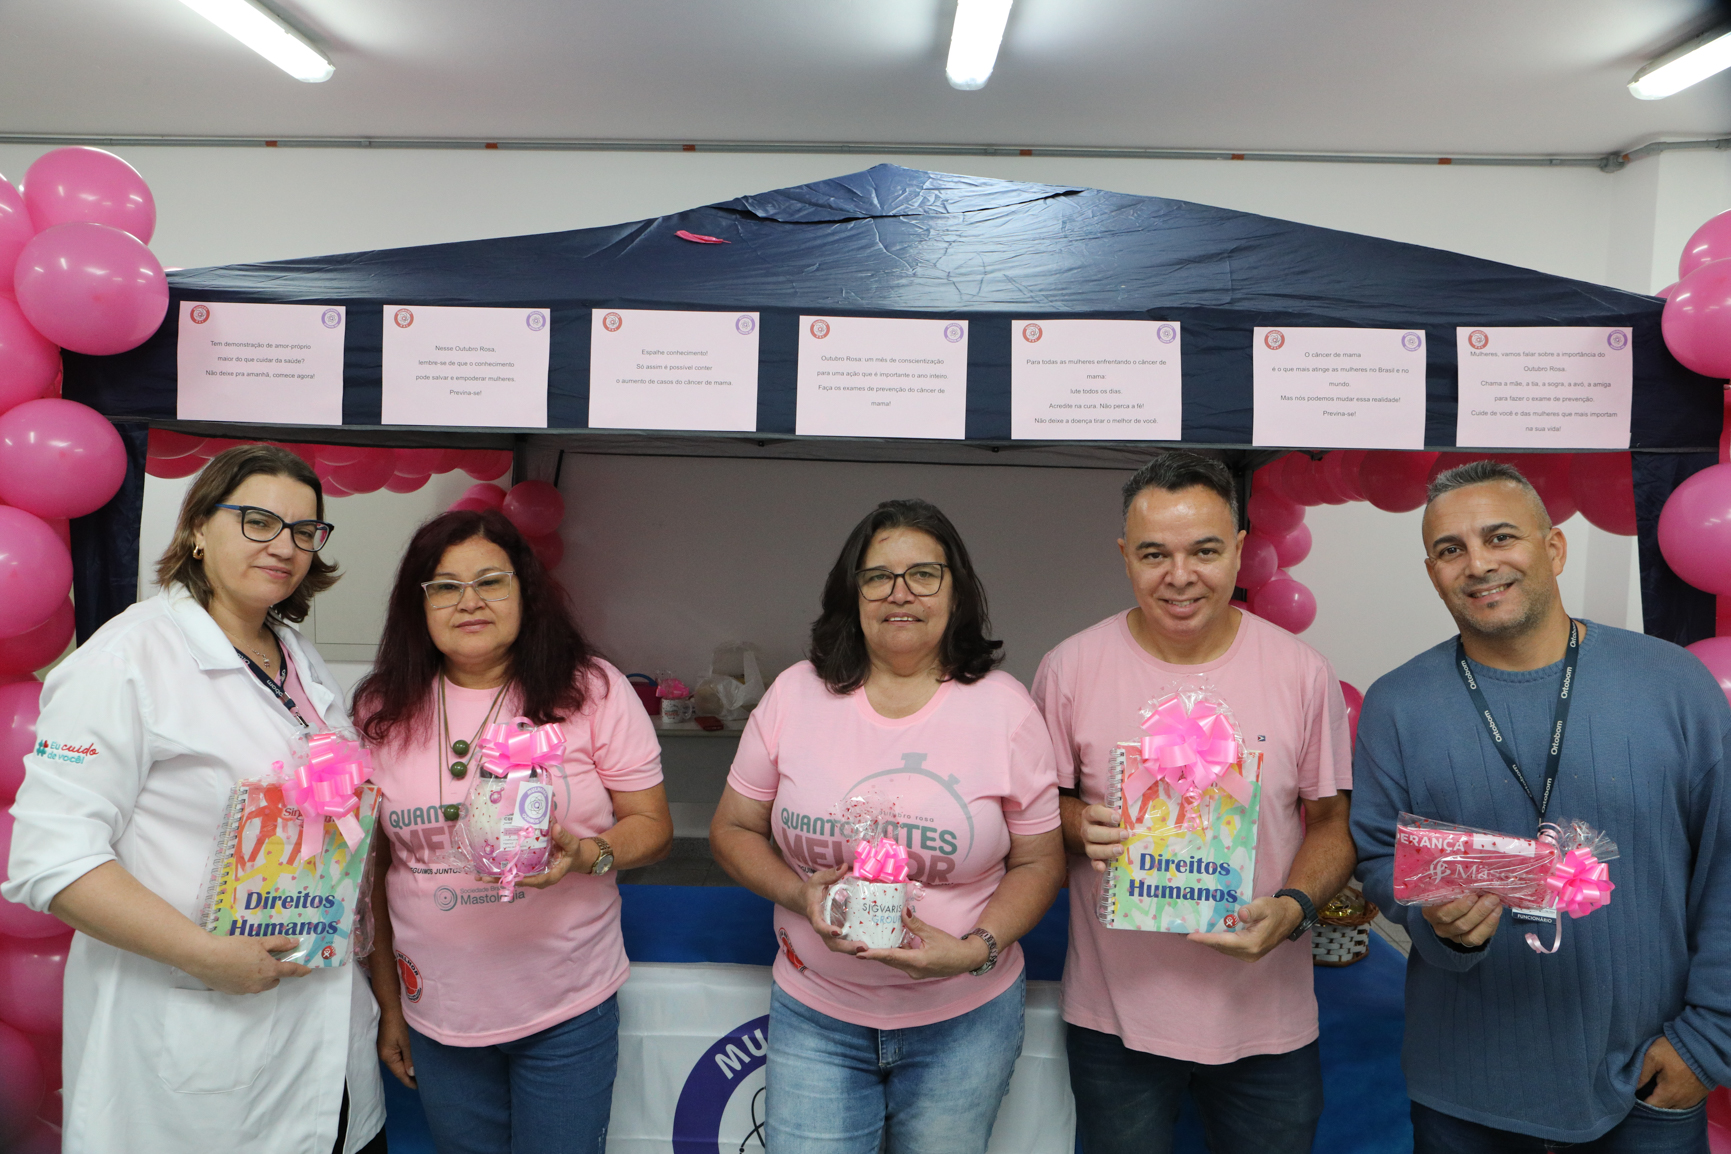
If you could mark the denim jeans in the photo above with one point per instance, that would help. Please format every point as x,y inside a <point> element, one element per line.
<point>548,1093</point>
<point>1646,1130</point>
<point>837,1088</point>
<point>1127,1101</point>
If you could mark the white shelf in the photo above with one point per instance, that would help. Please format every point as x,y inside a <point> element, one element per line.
<point>690,729</point>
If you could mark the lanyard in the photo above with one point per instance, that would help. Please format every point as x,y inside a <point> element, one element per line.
<point>1560,719</point>
<point>275,689</point>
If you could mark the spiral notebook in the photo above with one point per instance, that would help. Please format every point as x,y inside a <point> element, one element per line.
<point>260,885</point>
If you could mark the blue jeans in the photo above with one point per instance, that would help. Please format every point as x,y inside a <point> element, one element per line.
<point>837,1088</point>
<point>1127,1100</point>
<point>548,1093</point>
<point>1646,1130</point>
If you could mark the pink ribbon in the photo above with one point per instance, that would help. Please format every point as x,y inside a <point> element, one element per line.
<point>517,748</point>
<point>327,787</point>
<point>1192,751</point>
<point>1581,883</point>
<point>880,861</point>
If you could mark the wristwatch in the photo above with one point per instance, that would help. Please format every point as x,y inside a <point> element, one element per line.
<point>984,935</point>
<point>1305,907</point>
<point>604,859</point>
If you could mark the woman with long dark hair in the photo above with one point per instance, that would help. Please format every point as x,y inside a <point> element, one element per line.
<point>907,1049</point>
<point>504,1013</point>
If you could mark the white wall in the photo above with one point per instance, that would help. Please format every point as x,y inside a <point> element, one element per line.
<point>669,556</point>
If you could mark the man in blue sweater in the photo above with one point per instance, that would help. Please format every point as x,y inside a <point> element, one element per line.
<point>1613,1041</point>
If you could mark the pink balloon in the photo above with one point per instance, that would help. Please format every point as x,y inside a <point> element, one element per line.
<point>1354,702</point>
<point>1715,654</point>
<point>22,1086</point>
<point>1341,468</point>
<point>1697,320</point>
<point>339,454</point>
<point>367,474</point>
<point>88,184</point>
<point>1285,602</point>
<point>28,652</point>
<point>59,458</point>
<point>1711,242</point>
<point>35,571</point>
<point>175,466</point>
<point>29,361</point>
<point>486,464</point>
<point>413,461</point>
<point>1293,548</point>
<point>1695,530</point>
<point>15,229</point>
<point>41,1137</point>
<point>1664,294</point>
<point>407,484</point>
<point>1272,515</point>
<point>1257,563</point>
<point>91,288</point>
<point>1299,481</point>
<point>20,921</point>
<point>489,495</point>
<point>169,445</point>
<point>535,507</point>
<point>468,505</point>
<point>31,970</point>
<point>550,550</point>
<point>332,489</point>
<point>1394,480</point>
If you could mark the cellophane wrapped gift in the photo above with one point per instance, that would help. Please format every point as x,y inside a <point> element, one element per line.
<point>504,830</point>
<point>867,904</point>
<point>1563,868</point>
<point>1188,795</point>
<point>293,855</point>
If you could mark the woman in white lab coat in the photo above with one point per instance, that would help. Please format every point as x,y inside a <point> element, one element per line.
<point>177,1040</point>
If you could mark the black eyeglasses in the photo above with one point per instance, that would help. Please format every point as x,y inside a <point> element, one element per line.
<point>262,525</point>
<point>921,580</point>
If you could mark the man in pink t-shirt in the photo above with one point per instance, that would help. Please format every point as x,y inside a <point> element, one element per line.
<point>1153,1014</point>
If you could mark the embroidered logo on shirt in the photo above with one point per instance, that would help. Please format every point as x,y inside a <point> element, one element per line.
<point>60,751</point>
<point>410,976</point>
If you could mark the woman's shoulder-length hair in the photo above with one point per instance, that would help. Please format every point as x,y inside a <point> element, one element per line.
<point>838,648</point>
<point>552,664</point>
<point>213,486</point>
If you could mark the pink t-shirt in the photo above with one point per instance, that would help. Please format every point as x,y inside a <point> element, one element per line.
<point>1159,992</point>
<point>475,972</point>
<point>972,767</point>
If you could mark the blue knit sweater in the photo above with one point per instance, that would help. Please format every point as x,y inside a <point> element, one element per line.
<point>1552,1045</point>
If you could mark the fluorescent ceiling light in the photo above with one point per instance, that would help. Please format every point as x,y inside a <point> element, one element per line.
<point>1684,65</point>
<point>974,42</point>
<point>268,35</point>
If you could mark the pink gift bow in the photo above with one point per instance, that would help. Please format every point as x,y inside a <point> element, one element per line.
<point>328,787</point>
<point>1192,751</point>
<point>1581,883</point>
<point>513,750</point>
<point>880,861</point>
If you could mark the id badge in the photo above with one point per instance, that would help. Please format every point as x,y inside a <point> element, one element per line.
<point>1543,915</point>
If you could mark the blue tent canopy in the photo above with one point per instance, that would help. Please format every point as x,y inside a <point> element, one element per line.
<point>894,241</point>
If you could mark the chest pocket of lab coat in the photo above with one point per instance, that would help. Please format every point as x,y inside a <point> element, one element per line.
<point>215,1043</point>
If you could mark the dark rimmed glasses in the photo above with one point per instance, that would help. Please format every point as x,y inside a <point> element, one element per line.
<point>263,526</point>
<point>445,594</point>
<point>922,581</point>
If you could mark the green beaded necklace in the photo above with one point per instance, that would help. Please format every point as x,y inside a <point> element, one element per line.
<point>459,768</point>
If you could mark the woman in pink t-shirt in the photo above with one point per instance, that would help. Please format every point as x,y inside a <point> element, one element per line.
<point>503,1012</point>
<point>898,706</point>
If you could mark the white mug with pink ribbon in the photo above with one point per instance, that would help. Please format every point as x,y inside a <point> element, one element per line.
<point>868,903</point>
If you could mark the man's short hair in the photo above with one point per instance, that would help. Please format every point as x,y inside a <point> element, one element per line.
<point>1178,469</point>
<point>1481,473</point>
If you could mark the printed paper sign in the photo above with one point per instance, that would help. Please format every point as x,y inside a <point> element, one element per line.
<point>1556,387</point>
<point>264,364</point>
<point>882,377</point>
<point>661,369</point>
<point>465,366</point>
<point>1339,388</point>
<point>1095,380</point>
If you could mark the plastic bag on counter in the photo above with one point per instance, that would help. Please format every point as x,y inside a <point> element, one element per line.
<point>734,683</point>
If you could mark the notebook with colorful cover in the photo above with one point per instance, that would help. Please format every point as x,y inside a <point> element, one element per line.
<point>261,884</point>
<point>1188,863</point>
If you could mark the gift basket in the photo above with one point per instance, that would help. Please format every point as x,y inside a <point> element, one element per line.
<point>1341,935</point>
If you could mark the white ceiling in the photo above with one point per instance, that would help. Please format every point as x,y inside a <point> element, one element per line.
<point>1435,77</point>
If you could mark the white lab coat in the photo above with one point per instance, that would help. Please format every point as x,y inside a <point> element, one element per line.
<point>158,717</point>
